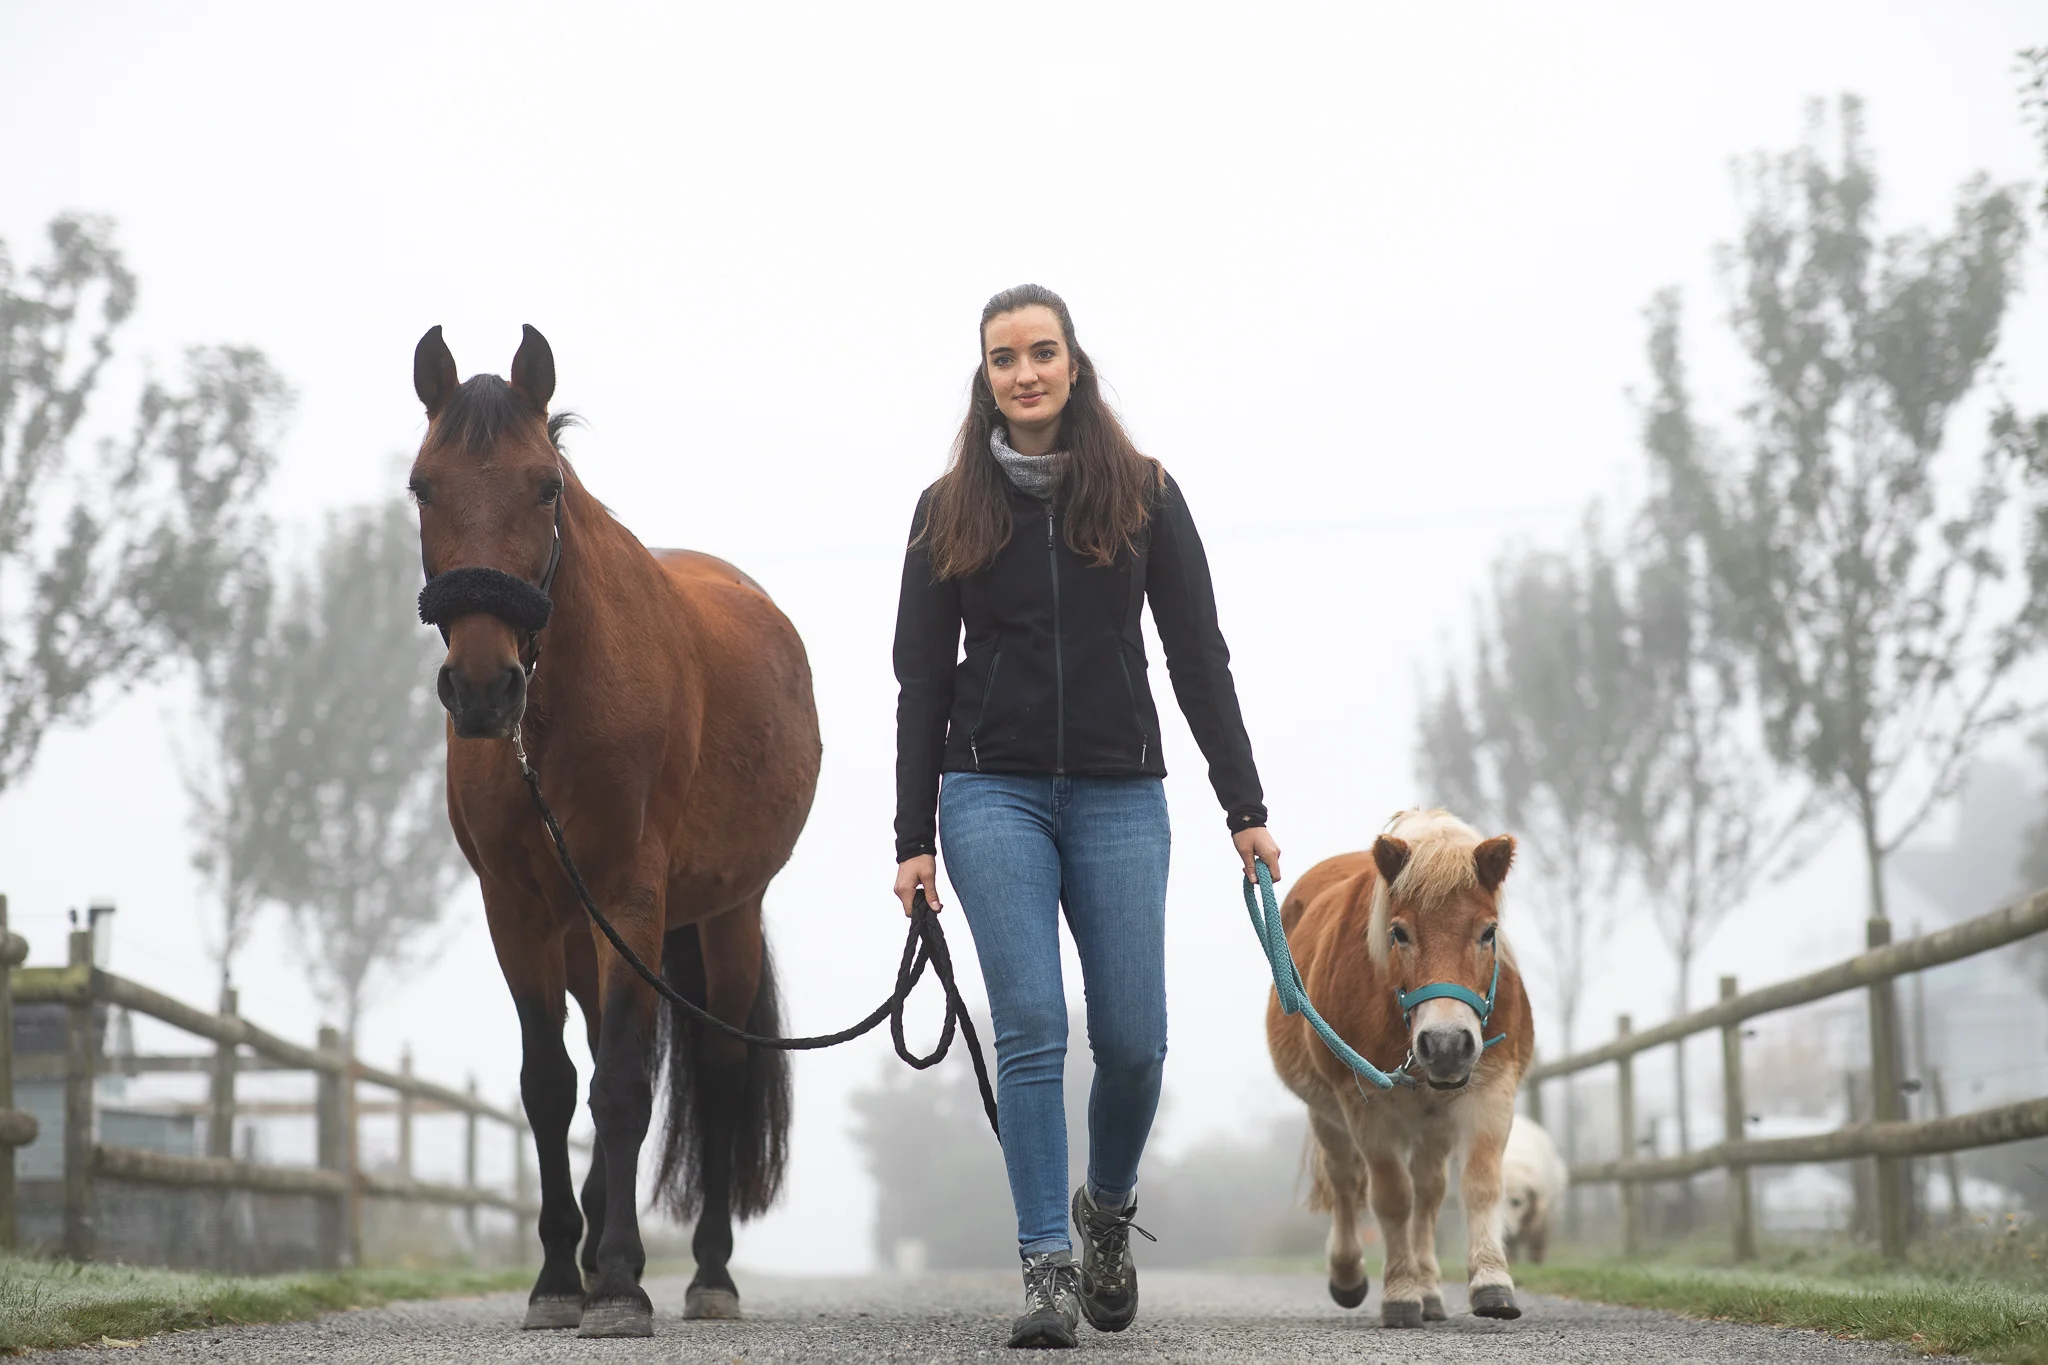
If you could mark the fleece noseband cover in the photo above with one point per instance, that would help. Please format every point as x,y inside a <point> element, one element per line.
<point>485,592</point>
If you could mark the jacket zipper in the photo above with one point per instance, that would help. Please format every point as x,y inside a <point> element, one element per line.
<point>987,690</point>
<point>1137,718</point>
<point>1059,680</point>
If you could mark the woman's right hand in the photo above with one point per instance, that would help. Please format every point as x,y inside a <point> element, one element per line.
<point>913,873</point>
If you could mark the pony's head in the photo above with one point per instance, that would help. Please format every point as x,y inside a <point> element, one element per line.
<point>489,482</point>
<point>1436,921</point>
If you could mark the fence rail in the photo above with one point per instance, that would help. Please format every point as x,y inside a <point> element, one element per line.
<point>1888,1138</point>
<point>336,1179</point>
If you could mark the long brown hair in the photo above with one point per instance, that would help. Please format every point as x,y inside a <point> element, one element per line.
<point>1102,483</point>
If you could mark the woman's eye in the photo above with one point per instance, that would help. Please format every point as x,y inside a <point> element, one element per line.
<point>1045,356</point>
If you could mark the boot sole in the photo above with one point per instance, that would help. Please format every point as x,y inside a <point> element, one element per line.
<point>1041,1335</point>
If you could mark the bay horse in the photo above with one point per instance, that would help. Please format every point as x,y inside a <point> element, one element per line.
<point>1371,931</point>
<point>674,730</point>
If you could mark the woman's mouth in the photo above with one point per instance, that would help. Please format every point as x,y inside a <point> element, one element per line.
<point>1026,400</point>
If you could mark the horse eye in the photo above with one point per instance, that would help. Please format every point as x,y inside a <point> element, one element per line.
<point>422,491</point>
<point>1400,933</point>
<point>550,493</point>
<point>1486,938</point>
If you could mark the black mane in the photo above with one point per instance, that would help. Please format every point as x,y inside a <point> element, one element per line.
<point>484,408</point>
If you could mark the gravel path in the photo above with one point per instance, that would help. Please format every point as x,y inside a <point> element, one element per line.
<point>1187,1317</point>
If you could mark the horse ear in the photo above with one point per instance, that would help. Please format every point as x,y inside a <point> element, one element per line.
<point>1492,859</point>
<point>433,371</point>
<point>533,368</point>
<point>1390,855</point>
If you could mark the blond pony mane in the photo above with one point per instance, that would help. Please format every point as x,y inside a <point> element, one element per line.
<point>1440,868</point>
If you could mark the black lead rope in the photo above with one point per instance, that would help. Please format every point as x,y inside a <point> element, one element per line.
<point>926,944</point>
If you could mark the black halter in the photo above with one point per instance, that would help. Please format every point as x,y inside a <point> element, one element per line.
<point>519,604</point>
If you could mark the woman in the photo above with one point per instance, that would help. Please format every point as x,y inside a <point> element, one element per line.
<point>1040,749</point>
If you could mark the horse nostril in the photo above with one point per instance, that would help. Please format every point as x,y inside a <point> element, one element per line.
<point>1445,1045</point>
<point>444,688</point>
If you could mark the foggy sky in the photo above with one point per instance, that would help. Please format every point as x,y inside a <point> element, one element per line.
<point>1368,278</point>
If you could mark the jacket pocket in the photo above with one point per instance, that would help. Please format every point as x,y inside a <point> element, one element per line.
<point>987,690</point>
<point>1123,658</point>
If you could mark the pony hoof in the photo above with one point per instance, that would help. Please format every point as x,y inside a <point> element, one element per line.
<point>617,1318</point>
<point>1351,1297</point>
<point>1495,1301</point>
<point>721,1305</point>
<point>1398,1314</point>
<point>1433,1308</point>
<point>549,1312</point>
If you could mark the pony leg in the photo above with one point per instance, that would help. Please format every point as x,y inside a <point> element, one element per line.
<point>1340,1188</point>
<point>1393,1203</point>
<point>621,1105</point>
<point>547,1089</point>
<point>741,1111</point>
<point>1430,1170</point>
<point>1491,1287</point>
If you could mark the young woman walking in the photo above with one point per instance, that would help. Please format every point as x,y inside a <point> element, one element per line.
<point>1040,750</point>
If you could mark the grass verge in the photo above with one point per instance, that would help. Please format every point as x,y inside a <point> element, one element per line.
<point>59,1303</point>
<point>1984,1320</point>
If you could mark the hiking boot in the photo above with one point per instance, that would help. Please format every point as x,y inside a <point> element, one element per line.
<point>1109,1282</point>
<point>1052,1302</point>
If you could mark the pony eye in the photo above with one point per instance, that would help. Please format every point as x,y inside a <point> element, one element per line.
<point>1400,934</point>
<point>1486,937</point>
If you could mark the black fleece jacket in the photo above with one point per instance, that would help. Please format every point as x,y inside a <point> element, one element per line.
<point>1053,680</point>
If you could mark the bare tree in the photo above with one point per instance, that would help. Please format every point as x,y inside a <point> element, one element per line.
<point>111,566</point>
<point>1538,740</point>
<point>372,863</point>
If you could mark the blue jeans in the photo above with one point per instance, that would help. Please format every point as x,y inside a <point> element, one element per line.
<point>1016,849</point>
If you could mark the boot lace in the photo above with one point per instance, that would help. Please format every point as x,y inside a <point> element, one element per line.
<point>1110,1230</point>
<point>1044,1281</point>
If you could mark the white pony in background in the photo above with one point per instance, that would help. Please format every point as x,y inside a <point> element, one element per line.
<point>1533,1179</point>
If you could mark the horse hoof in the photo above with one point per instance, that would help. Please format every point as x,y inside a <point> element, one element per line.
<point>1351,1297</point>
<point>1433,1308</point>
<point>1397,1314</point>
<point>1495,1301</point>
<point>722,1305</point>
<point>617,1318</point>
<point>552,1311</point>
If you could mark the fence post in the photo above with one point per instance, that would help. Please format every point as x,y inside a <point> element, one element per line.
<point>469,1127</point>
<point>220,1131</point>
<point>8,958</point>
<point>405,1116</point>
<point>1956,1211</point>
<point>1734,1128</point>
<point>1884,1099</point>
<point>332,1216</point>
<point>80,1065</point>
<point>351,1155</point>
<point>1625,1097</point>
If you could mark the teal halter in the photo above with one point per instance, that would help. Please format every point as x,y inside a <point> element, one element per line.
<point>1451,990</point>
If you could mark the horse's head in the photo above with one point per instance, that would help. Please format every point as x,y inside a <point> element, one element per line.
<point>1435,932</point>
<point>489,483</point>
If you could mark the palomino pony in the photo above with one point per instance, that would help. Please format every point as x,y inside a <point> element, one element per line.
<point>1422,909</point>
<point>674,731</point>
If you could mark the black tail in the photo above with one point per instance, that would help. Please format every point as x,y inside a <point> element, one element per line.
<point>756,1100</point>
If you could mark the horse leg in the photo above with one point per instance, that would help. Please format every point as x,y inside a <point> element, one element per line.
<point>1393,1203</point>
<point>547,1088</point>
<point>1491,1288</point>
<point>741,1111</point>
<point>581,958</point>
<point>1340,1187</point>
<point>621,1105</point>
<point>1430,1170</point>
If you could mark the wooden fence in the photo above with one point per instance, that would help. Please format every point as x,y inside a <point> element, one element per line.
<point>1888,1137</point>
<point>336,1180</point>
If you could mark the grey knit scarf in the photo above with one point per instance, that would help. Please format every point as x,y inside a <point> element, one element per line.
<point>1035,474</point>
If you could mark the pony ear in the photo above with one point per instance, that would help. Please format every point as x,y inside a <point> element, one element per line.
<point>1492,859</point>
<point>533,368</point>
<point>433,371</point>
<point>1390,855</point>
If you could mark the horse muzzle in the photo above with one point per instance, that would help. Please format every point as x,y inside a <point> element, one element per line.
<point>489,707</point>
<point>1446,1053</point>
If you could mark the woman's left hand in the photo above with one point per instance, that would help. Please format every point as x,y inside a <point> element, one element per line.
<point>1257,842</point>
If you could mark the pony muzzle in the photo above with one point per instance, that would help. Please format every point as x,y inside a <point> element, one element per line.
<point>1444,1039</point>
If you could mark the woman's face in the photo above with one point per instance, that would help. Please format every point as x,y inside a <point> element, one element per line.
<point>1029,366</point>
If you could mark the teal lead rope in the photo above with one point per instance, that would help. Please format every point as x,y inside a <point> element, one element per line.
<point>1265,913</point>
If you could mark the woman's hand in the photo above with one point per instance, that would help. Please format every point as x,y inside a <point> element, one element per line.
<point>921,871</point>
<point>1256,842</point>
